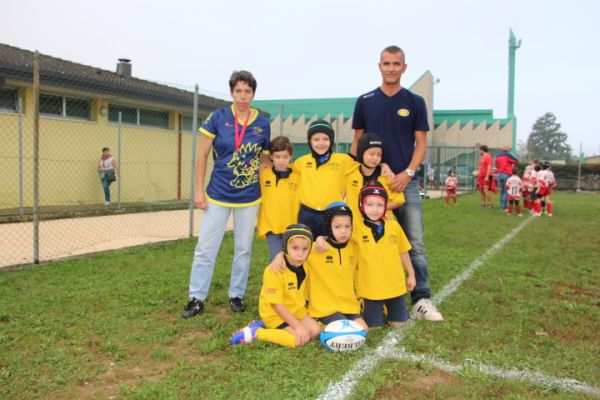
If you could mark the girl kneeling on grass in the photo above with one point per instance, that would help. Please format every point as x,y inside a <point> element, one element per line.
<point>282,301</point>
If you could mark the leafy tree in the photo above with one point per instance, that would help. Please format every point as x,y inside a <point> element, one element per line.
<point>546,141</point>
<point>522,150</point>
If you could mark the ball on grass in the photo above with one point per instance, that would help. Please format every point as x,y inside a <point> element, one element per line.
<point>343,335</point>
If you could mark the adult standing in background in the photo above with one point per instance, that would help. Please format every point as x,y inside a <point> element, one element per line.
<point>505,162</point>
<point>107,169</point>
<point>485,179</point>
<point>239,139</point>
<point>400,118</point>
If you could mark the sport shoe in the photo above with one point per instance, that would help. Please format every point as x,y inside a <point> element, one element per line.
<point>237,305</point>
<point>424,309</point>
<point>193,308</point>
<point>247,334</point>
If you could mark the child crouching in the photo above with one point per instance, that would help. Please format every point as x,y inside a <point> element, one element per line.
<point>282,301</point>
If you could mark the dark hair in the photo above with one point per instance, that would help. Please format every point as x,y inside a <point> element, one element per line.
<point>242,76</point>
<point>393,50</point>
<point>515,170</point>
<point>484,148</point>
<point>105,149</point>
<point>281,143</point>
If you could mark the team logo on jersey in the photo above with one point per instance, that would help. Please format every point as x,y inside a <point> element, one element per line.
<point>291,286</point>
<point>244,164</point>
<point>292,186</point>
<point>257,131</point>
<point>365,239</point>
<point>334,166</point>
<point>354,182</point>
<point>267,183</point>
<point>329,260</point>
<point>309,164</point>
<point>393,239</point>
<point>403,112</point>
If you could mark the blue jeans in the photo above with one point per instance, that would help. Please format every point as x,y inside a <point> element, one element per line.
<point>106,187</point>
<point>275,242</point>
<point>502,178</point>
<point>212,229</point>
<point>410,217</point>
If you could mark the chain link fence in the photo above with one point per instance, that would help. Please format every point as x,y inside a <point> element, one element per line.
<point>53,130</point>
<point>56,117</point>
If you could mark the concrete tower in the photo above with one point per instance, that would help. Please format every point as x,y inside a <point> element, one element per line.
<point>513,45</point>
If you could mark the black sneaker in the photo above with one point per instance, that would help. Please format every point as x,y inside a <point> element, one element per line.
<point>237,305</point>
<point>193,308</point>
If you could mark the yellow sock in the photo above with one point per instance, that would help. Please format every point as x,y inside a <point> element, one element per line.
<point>277,336</point>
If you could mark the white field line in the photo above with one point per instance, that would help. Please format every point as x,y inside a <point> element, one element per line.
<point>535,377</point>
<point>343,388</point>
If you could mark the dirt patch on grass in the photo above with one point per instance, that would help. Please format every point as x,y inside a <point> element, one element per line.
<point>573,292</point>
<point>423,385</point>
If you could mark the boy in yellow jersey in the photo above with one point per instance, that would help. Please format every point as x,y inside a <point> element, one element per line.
<point>332,273</point>
<point>279,187</point>
<point>282,301</point>
<point>369,152</point>
<point>383,260</point>
<point>322,175</point>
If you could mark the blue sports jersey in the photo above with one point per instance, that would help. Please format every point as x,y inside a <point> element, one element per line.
<point>234,178</point>
<point>395,119</point>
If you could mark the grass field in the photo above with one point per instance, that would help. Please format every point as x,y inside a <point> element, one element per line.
<point>108,325</point>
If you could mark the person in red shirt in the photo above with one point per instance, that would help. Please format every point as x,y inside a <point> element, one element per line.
<point>451,186</point>
<point>505,162</point>
<point>485,179</point>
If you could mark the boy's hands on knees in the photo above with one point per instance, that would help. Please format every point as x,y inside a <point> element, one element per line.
<point>278,263</point>
<point>301,334</point>
<point>321,244</point>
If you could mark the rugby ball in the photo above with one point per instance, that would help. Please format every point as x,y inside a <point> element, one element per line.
<point>343,335</point>
<point>475,173</point>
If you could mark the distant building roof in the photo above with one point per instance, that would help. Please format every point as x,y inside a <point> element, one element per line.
<point>465,116</point>
<point>17,64</point>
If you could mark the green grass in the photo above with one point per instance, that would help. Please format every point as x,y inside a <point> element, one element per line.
<point>109,325</point>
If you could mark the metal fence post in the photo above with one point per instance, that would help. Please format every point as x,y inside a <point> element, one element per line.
<point>20,113</point>
<point>36,157</point>
<point>193,166</point>
<point>120,161</point>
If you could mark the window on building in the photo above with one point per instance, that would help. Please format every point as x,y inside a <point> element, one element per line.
<point>65,107</point>
<point>8,99</point>
<point>139,116</point>
<point>159,119</point>
<point>128,114</point>
<point>187,123</point>
<point>51,105</point>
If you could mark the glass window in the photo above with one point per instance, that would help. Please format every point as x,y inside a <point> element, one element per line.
<point>187,123</point>
<point>51,105</point>
<point>159,119</point>
<point>8,99</point>
<point>77,108</point>
<point>128,114</point>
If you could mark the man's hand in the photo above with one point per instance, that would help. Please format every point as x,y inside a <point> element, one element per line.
<point>400,181</point>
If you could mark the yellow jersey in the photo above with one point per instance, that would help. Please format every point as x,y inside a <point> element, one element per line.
<point>280,203</point>
<point>330,285</point>
<point>380,272</point>
<point>281,288</point>
<point>321,186</point>
<point>355,182</point>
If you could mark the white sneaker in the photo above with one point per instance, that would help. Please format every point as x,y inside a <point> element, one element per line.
<point>107,203</point>
<point>424,309</point>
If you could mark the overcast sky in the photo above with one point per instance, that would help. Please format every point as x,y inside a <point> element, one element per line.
<point>315,49</point>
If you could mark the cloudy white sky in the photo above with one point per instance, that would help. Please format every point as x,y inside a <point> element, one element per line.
<point>314,49</point>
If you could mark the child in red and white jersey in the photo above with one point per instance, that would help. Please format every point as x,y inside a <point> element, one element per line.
<point>550,182</point>
<point>514,186</point>
<point>528,185</point>
<point>451,186</point>
<point>540,189</point>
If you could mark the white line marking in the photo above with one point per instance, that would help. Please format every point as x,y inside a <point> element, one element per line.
<point>343,388</point>
<point>534,377</point>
